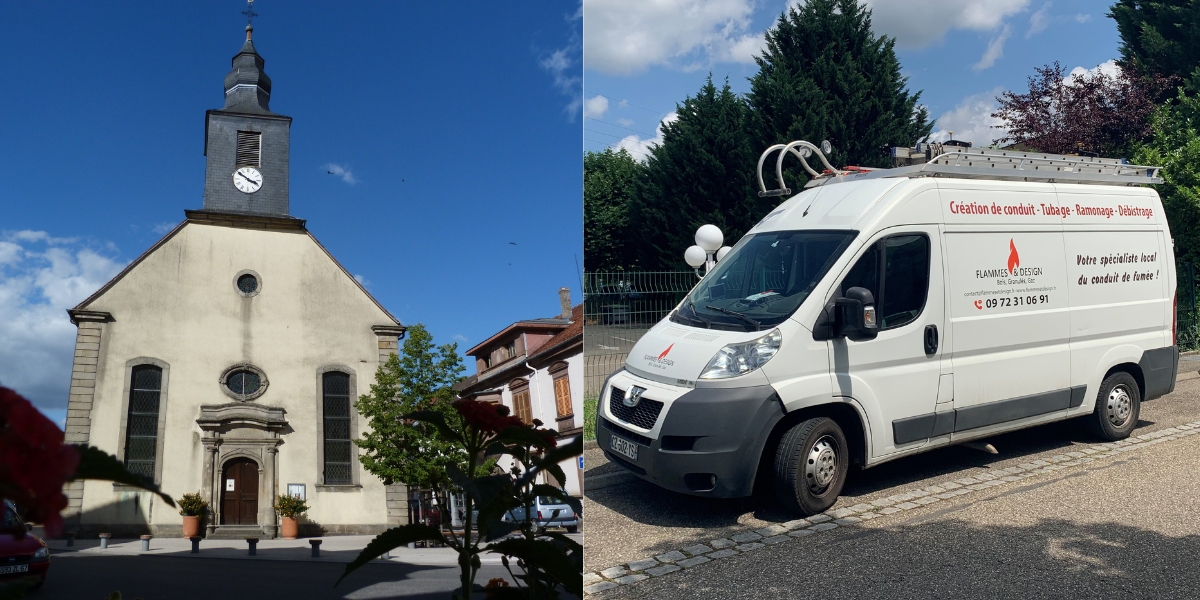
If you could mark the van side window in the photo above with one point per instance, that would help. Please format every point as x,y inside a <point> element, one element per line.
<point>901,288</point>
<point>905,280</point>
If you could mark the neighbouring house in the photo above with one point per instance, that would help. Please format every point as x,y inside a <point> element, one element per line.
<point>225,359</point>
<point>535,368</point>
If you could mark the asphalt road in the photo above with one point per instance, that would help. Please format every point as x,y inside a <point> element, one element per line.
<point>636,520</point>
<point>188,578</point>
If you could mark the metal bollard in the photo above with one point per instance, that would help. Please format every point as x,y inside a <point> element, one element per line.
<point>316,548</point>
<point>195,545</point>
<point>253,543</point>
<point>70,538</point>
<point>412,545</point>
<point>385,556</point>
<point>104,540</point>
<point>145,543</point>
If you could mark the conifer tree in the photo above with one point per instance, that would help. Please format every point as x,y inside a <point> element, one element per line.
<point>825,76</point>
<point>609,184</point>
<point>703,172</point>
<point>1158,37</point>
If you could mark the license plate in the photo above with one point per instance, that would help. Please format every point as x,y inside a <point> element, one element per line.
<point>14,569</point>
<point>625,448</point>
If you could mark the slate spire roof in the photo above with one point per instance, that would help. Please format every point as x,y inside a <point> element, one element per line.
<point>247,87</point>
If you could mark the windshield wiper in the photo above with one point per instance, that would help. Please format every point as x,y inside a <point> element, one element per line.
<point>757,326</point>
<point>706,322</point>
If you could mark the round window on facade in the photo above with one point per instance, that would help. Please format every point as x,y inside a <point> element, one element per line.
<point>247,283</point>
<point>244,382</point>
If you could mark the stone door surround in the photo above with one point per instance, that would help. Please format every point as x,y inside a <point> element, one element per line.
<point>246,430</point>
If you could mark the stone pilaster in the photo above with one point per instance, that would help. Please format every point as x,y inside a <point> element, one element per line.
<point>388,342</point>
<point>84,370</point>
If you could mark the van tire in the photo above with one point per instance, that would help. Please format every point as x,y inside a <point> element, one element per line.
<point>811,462</point>
<point>1118,405</point>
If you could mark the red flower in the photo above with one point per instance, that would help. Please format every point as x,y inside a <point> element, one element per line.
<point>486,416</point>
<point>34,463</point>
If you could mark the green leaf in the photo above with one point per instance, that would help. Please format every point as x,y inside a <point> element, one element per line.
<point>95,463</point>
<point>547,555</point>
<point>390,540</point>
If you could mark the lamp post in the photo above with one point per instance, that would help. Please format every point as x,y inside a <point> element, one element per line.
<point>708,249</point>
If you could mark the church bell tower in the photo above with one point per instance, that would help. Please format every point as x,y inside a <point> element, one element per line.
<point>247,145</point>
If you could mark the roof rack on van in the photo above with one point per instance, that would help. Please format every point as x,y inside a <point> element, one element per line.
<point>968,163</point>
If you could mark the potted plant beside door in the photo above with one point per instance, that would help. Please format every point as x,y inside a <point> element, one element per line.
<point>192,507</point>
<point>289,507</point>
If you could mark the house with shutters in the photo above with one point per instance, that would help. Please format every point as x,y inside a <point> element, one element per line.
<point>226,359</point>
<point>535,368</point>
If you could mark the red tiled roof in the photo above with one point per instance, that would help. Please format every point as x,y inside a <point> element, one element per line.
<point>575,329</point>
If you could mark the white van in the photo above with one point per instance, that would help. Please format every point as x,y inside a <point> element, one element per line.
<point>881,314</point>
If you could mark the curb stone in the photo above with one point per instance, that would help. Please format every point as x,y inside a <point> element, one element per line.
<point>750,540</point>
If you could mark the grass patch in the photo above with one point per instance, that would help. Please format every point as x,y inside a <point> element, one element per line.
<point>589,418</point>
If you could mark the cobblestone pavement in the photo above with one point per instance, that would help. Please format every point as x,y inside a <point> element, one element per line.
<point>649,532</point>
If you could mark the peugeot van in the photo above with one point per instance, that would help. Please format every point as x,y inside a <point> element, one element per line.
<point>881,314</point>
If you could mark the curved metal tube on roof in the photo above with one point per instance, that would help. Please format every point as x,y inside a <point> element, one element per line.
<point>783,150</point>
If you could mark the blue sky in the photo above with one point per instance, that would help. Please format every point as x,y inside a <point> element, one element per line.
<point>641,58</point>
<point>453,131</point>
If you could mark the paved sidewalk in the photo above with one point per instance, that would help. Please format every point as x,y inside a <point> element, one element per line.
<point>341,548</point>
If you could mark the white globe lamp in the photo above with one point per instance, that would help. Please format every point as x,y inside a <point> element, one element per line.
<point>695,256</point>
<point>722,252</point>
<point>709,238</point>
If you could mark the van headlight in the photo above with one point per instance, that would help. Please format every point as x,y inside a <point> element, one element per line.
<point>739,359</point>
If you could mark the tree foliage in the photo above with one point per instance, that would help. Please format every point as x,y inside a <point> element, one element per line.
<point>1158,37</point>
<point>419,378</point>
<point>1092,111</point>
<point>1175,146</point>
<point>825,76</point>
<point>609,185</point>
<point>703,172</point>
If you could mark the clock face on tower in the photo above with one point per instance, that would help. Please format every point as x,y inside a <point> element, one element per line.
<point>247,180</point>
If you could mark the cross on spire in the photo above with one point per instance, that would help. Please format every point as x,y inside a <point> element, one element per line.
<point>249,12</point>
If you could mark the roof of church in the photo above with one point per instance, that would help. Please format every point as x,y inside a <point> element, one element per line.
<point>247,87</point>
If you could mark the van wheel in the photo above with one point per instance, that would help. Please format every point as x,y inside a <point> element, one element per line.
<point>1117,407</point>
<point>810,466</point>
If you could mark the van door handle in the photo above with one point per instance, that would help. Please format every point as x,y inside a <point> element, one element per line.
<point>931,340</point>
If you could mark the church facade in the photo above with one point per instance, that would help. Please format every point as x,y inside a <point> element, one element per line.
<point>226,359</point>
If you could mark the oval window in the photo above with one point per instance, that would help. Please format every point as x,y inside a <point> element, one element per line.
<point>247,284</point>
<point>243,383</point>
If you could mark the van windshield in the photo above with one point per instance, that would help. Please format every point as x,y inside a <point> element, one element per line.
<point>763,279</point>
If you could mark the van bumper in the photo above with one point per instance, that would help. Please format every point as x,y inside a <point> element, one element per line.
<point>706,433</point>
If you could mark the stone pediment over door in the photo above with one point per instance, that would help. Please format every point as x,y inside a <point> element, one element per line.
<point>242,430</point>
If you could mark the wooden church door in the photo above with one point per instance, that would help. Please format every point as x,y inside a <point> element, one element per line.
<point>239,497</point>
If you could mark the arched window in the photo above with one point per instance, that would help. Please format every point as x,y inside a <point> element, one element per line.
<point>335,396</point>
<point>141,431</point>
<point>562,390</point>
<point>520,398</point>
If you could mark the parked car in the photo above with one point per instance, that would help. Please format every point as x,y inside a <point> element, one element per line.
<point>20,558</point>
<point>549,512</point>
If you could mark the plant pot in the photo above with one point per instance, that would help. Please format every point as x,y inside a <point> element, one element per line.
<point>191,526</point>
<point>289,528</point>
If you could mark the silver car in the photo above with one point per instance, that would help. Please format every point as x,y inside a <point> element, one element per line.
<point>549,512</point>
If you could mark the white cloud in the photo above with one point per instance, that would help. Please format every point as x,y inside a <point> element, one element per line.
<point>1109,68</point>
<point>1039,21</point>
<point>163,228</point>
<point>624,37</point>
<point>623,122</point>
<point>745,48</point>
<point>41,277</point>
<point>343,172</point>
<point>565,64</point>
<point>595,107</point>
<point>918,23</point>
<point>640,148</point>
<point>995,50</point>
<point>972,120</point>
<point>1082,18</point>
<point>363,281</point>
<point>458,337</point>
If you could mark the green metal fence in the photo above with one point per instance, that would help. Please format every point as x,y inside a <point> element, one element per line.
<point>1187,326</point>
<point>618,308</point>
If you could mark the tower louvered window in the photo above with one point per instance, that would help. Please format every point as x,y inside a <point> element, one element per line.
<point>336,404</point>
<point>141,427</point>
<point>249,148</point>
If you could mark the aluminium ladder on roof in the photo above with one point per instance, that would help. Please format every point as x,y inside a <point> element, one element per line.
<point>979,163</point>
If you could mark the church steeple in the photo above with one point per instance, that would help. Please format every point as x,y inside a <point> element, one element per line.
<point>246,144</point>
<point>247,87</point>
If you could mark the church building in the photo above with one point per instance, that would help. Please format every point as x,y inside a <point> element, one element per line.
<point>226,359</point>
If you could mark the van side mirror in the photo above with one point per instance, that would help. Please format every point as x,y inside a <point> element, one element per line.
<point>855,317</point>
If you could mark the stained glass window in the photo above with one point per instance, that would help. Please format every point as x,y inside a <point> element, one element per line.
<point>336,404</point>
<point>141,427</point>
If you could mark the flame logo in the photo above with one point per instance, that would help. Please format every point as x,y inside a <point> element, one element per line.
<point>664,352</point>
<point>1014,260</point>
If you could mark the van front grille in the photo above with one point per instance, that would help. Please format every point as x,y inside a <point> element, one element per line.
<point>632,436</point>
<point>644,415</point>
